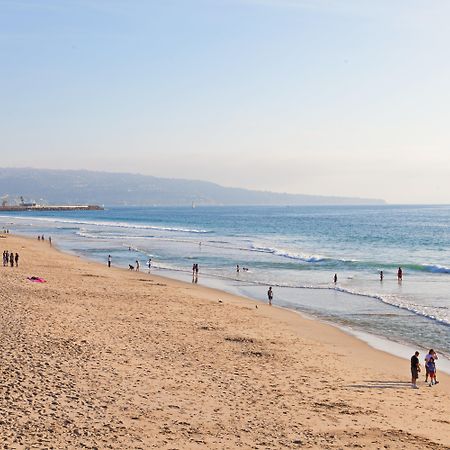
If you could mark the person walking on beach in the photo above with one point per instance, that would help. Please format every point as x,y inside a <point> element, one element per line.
<point>399,274</point>
<point>16,259</point>
<point>381,275</point>
<point>137,266</point>
<point>149,263</point>
<point>11,259</point>
<point>109,260</point>
<point>50,240</point>
<point>195,273</point>
<point>270,295</point>
<point>415,369</point>
<point>335,278</point>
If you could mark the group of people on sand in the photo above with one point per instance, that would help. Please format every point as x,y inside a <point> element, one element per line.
<point>430,368</point>
<point>136,265</point>
<point>42,238</point>
<point>10,259</point>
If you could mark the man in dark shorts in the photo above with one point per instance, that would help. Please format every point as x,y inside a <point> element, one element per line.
<point>415,369</point>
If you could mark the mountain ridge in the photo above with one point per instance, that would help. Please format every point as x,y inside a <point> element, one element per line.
<point>53,186</point>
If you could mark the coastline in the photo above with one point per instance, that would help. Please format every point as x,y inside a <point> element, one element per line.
<point>237,373</point>
<point>403,350</point>
<point>414,312</point>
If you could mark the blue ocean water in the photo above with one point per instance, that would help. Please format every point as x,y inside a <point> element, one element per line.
<point>297,250</point>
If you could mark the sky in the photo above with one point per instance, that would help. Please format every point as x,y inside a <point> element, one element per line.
<point>327,97</point>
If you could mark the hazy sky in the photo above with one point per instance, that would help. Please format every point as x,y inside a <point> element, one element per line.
<point>340,97</point>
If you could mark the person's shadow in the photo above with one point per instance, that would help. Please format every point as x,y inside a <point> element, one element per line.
<point>381,384</point>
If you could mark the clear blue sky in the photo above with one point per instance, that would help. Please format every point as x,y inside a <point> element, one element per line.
<point>341,97</point>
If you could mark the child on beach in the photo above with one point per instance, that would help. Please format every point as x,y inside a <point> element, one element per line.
<point>431,369</point>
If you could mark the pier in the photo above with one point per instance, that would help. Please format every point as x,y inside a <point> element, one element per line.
<point>15,208</point>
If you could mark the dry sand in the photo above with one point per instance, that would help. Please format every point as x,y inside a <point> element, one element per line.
<point>108,358</point>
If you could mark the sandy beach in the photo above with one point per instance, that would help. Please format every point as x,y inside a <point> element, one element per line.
<point>103,358</point>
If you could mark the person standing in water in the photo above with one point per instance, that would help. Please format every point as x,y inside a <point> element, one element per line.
<point>109,260</point>
<point>270,295</point>
<point>335,278</point>
<point>399,274</point>
<point>195,273</point>
<point>381,275</point>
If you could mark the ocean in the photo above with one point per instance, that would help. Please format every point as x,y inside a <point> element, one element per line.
<point>296,250</point>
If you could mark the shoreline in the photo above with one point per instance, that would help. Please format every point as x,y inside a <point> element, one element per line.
<point>375,342</point>
<point>361,306</point>
<point>403,350</point>
<point>186,370</point>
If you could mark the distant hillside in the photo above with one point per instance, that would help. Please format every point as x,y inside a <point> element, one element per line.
<point>114,189</point>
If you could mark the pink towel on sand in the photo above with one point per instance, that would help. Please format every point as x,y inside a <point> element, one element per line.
<point>36,279</point>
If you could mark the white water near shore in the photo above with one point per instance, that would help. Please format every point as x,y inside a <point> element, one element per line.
<point>401,349</point>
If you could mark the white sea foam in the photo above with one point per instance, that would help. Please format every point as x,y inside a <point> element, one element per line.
<point>118,225</point>
<point>436,268</point>
<point>298,256</point>
<point>440,314</point>
<point>288,254</point>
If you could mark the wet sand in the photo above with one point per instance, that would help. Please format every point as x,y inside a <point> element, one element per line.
<point>109,358</point>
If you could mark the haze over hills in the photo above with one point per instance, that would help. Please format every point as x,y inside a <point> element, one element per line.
<point>119,189</point>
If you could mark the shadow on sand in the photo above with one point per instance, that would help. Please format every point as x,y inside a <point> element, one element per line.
<point>381,384</point>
